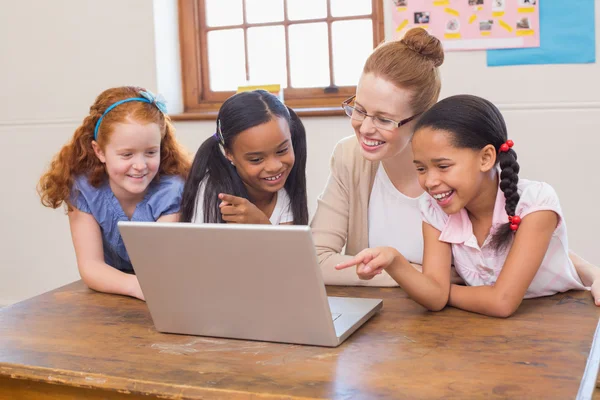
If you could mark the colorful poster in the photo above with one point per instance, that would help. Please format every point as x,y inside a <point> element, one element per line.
<point>471,24</point>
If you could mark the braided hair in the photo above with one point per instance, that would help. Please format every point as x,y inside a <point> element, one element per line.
<point>509,177</point>
<point>475,123</point>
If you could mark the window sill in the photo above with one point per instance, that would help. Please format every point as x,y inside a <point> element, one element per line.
<point>302,112</point>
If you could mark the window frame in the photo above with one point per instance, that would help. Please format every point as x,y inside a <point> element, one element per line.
<point>202,103</point>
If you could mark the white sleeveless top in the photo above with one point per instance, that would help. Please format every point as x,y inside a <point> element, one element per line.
<point>282,213</point>
<point>395,219</point>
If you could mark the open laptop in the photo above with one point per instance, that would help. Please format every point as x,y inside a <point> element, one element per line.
<point>255,282</point>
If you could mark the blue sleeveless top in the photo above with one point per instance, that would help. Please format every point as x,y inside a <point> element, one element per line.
<point>162,198</point>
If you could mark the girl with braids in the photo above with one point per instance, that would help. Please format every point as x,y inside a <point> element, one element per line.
<point>252,170</point>
<point>123,163</point>
<point>505,236</point>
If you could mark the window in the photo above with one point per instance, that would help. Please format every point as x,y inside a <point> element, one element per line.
<point>315,49</point>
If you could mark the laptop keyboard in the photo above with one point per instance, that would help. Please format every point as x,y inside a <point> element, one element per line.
<point>335,316</point>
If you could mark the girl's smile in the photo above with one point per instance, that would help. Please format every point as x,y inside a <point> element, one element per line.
<point>443,198</point>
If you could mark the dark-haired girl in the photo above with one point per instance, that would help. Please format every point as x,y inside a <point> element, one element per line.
<point>505,236</point>
<point>253,169</point>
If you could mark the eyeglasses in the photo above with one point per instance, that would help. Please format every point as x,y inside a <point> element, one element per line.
<point>379,122</point>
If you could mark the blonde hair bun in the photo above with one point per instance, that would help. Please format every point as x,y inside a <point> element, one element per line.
<point>421,42</point>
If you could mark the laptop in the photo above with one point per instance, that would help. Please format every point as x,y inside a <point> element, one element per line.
<point>252,282</point>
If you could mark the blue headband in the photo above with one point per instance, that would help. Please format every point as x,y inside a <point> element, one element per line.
<point>147,97</point>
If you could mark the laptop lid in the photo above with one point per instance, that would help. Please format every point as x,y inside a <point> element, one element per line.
<point>257,282</point>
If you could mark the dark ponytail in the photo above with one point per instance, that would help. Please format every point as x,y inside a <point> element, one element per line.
<point>475,123</point>
<point>296,181</point>
<point>509,177</point>
<point>211,166</point>
<point>238,113</point>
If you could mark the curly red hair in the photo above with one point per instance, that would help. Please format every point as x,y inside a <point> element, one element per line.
<point>78,157</point>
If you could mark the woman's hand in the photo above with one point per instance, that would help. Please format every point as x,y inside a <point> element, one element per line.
<point>371,262</point>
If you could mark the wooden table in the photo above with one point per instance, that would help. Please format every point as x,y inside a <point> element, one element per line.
<point>74,343</point>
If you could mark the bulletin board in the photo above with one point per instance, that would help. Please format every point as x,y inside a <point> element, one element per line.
<point>471,24</point>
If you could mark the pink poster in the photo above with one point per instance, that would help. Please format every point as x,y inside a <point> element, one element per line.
<point>471,24</point>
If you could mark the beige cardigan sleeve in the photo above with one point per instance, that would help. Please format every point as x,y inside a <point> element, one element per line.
<point>334,216</point>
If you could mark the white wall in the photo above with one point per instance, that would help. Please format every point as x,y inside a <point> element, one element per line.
<point>57,57</point>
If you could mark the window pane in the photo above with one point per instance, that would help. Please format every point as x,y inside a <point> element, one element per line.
<point>226,61</point>
<point>344,8</point>
<point>264,11</point>
<point>223,13</point>
<point>267,63</point>
<point>352,44</point>
<point>307,9</point>
<point>309,55</point>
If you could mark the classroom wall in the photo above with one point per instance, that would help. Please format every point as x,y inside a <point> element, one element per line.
<point>57,56</point>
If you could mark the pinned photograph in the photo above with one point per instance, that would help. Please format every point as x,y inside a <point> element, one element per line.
<point>527,3</point>
<point>486,25</point>
<point>523,23</point>
<point>401,3</point>
<point>498,5</point>
<point>453,25</point>
<point>475,2</point>
<point>422,17</point>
